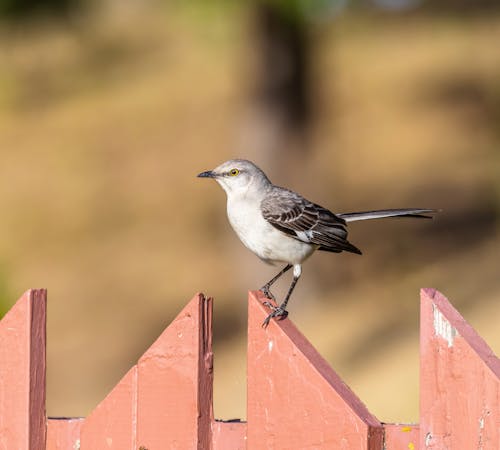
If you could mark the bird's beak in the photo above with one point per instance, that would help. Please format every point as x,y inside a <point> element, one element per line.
<point>207,174</point>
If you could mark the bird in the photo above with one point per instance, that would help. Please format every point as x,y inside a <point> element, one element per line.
<point>282,227</point>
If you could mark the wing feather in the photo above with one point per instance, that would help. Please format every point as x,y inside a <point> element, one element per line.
<point>306,221</point>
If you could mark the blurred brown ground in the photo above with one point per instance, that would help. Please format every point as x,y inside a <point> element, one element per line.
<point>104,124</point>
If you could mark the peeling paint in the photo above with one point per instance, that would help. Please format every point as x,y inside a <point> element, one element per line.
<point>77,445</point>
<point>428,439</point>
<point>443,328</point>
<point>481,429</point>
<point>270,346</point>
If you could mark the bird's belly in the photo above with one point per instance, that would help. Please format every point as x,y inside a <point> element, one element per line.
<point>267,242</point>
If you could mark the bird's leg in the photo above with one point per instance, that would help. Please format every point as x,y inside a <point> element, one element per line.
<point>266,288</point>
<point>280,311</point>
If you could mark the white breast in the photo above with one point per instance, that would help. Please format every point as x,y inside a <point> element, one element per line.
<point>258,235</point>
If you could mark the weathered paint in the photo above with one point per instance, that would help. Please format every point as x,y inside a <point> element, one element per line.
<point>294,398</point>
<point>459,381</point>
<point>401,437</point>
<point>22,373</point>
<point>442,327</point>
<point>64,433</point>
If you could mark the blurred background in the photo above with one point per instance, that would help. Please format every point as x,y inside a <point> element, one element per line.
<point>109,109</point>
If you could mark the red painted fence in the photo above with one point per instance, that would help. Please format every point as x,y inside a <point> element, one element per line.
<point>295,399</point>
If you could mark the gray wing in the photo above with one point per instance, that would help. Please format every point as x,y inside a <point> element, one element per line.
<point>306,221</point>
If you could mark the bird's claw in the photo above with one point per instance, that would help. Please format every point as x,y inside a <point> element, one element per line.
<point>277,311</point>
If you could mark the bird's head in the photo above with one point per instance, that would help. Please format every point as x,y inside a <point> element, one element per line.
<point>237,175</point>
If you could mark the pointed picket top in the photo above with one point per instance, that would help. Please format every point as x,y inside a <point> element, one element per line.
<point>174,383</point>
<point>22,373</point>
<point>459,380</point>
<point>294,398</point>
<point>165,401</point>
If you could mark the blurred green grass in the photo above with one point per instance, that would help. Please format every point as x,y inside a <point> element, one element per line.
<point>5,293</point>
<point>105,122</point>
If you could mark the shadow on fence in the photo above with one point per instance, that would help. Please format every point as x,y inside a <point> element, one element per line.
<point>295,399</point>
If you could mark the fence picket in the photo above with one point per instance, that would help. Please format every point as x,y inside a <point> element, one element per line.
<point>111,425</point>
<point>174,383</point>
<point>295,399</point>
<point>22,373</point>
<point>459,381</point>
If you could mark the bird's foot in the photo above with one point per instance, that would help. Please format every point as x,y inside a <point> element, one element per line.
<point>277,311</point>
<point>267,292</point>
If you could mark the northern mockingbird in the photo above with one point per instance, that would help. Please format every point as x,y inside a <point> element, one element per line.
<point>282,227</point>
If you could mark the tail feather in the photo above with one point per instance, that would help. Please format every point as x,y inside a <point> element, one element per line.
<point>384,213</point>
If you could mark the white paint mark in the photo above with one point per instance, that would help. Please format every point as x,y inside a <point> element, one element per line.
<point>77,445</point>
<point>481,423</point>
<point>443,328</point>
<point>270,345</point>
<point>428,439</point>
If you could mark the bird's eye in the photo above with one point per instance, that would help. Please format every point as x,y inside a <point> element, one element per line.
<point>234,172</point>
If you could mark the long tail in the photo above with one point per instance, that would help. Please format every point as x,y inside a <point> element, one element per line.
<point>419,213</point>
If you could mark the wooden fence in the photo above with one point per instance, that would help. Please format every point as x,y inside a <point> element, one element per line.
<point>295,399</point>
